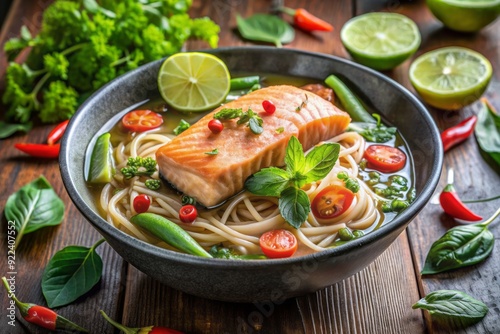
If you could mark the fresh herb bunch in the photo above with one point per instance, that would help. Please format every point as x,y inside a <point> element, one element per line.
<point>293,203</point>
<point>84,44</point>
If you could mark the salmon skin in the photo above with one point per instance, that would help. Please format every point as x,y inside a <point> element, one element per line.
<point>211,179</point>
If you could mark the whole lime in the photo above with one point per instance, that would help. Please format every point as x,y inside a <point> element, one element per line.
<point>465,15</point>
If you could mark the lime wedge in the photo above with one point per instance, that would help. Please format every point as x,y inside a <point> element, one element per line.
<point>193,81</point>
<point>450,78</point>
<point>465,15</point>
<point>380,40</point>
<point>102,165</point>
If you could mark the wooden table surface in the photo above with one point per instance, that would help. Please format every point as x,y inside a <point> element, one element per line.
<point>376,300</point>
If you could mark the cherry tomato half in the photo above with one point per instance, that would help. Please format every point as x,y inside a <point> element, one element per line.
<point>385,158</point>
<point>188,214</point>
<point>142,120</point>
<point>277,244</point>
<point>215,126</point>
<point>331,202</point>
<point>141,203</point>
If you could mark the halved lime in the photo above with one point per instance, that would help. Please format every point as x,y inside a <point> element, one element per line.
<point>465,15</point>
<point>102,165</point>
<point>380,40</point>
<point>193,81</point>
<point>450,78</point>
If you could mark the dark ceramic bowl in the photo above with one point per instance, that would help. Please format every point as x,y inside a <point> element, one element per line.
<point>249,281</point>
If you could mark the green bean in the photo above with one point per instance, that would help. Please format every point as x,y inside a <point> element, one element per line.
<point>169,232</point>
<point>350,102</point>
<point>244,82</point>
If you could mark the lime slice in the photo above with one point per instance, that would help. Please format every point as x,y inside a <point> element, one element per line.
<point>193,81</point>
<point>450,78</point>
<point>102,165</point>
<point>465,15</point>
<point>380,40</point>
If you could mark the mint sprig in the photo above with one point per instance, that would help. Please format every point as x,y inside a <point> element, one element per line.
<point>294,204</point>
<point>249,117</point>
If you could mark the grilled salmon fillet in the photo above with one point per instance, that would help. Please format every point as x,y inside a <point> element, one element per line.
<point>211,179</point>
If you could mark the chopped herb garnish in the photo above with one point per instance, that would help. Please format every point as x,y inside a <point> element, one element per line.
<point>280,130</point>
<point>215,151</point>
<point>139,166</point>
<point>303,104</point>
<point>187,200</point>
<point>228,113</point>
<point>183,126</point>
<point>350,183</point>
<point>152,184</point>
<point>377,133</point>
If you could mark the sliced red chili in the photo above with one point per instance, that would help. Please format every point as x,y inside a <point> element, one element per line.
<point>458,133</point>
<point>269,107</point>
<point>141,120</point>
<point>386,159</point>
<point>331,202</point>
<point>215,126</point>
<point>39,150</point>
<point>188,214</point>
<point>57,132</point>
<point>141,203</point>
<point>278,244</point>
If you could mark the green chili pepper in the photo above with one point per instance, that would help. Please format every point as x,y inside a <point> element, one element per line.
<point>244,82</point>
<point>350,102</point>
<point>169,232</point>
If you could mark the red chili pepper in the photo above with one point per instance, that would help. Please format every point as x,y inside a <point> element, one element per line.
<point>42,316</point>
<point>306,21</point>
<point>57,132</point>
<point>452,205</point>
<point>458,133</point>
<point>142,330</point>
<point>269,107</point>
<point>39,150</point>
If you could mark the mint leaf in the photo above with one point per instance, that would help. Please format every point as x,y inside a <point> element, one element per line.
<point>294,158</point>
<point>268,182</point>
<point>319,162</point>
<point>294,206</point>
<point>255,126</point>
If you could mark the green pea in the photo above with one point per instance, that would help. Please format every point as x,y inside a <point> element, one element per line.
<point>345,234</point>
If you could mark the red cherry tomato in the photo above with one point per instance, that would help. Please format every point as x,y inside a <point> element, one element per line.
<point>277,244</point>
<point>141,203</point>
<point>141,120</point>
<point>385,158</point>
<point>331,202</point>
<point>269,107</point>
<point>188,214</point>
<point>215,126</point>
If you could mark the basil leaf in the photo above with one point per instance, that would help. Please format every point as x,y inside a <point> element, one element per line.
<point>453,308</point>
<point>459,247</point>
<point>319,162</point>
<point>294,158</point>
<point>265,28</point>
<point>487,130</point>
<point>34,206</point>
<point>268,182</point>
<point>294,206</point>
<point>71,273</point>
<point>8,129</point>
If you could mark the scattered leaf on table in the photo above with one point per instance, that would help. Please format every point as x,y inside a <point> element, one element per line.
<point>487,130</point>
<point>265,28</point>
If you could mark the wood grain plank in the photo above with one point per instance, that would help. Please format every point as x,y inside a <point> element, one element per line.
<point>36,249</point>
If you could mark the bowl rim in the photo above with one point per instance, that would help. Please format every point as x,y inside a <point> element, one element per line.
<point>398,222</point>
